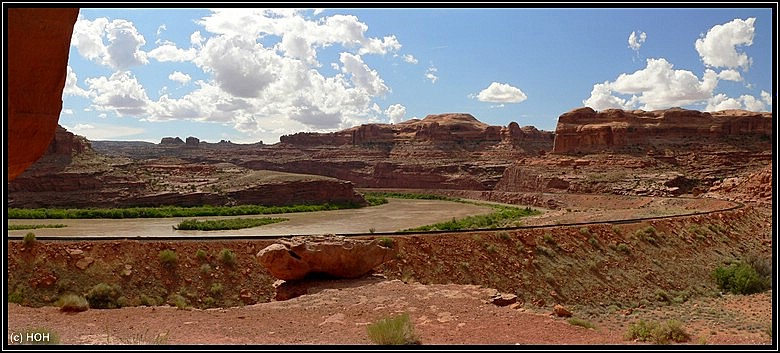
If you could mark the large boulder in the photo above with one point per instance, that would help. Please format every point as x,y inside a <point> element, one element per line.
<point>38,43</point>
<point>337,256</point>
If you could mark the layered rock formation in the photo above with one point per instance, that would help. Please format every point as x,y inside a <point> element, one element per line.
<point>584,130</point>
<point>332,255</point>
<point>71,174</point>
<point>38,43</point>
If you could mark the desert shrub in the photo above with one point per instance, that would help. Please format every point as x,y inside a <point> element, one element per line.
<point>646,234</point>
<point>741,278</point>
<point>200,254</point>
<point>763,266</point>
<point>622,247</point>
<point>179,301</point>
<point>386,242</point>
<point>545,250</point>
<point>29,239</point>
<point>73,303</point>
<point>228,257</point>
<point>584,231</point>
<point>104,296</point>
<point>548,238</point>
<point>659,333</point>
<point>205,268</point>
<point>150,300</point>
<point>581,322</point>
<point>216,289</point>
<point>396,330</point>
<point>168,257</point>
<point>371,230</point>
<point>663,296</point>
<point>503,235</point>
<point>593,242</point>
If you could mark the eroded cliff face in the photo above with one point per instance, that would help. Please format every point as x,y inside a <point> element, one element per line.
<point>38,43</point>
<point>72,174</point>
<point>584,130</point>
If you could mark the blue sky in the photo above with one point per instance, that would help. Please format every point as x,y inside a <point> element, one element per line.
<point>249,75</point>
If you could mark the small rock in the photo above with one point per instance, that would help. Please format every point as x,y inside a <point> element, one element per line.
<point>561,311</point>
<point>515,306</point>
<point>75,252</point>
<point>538,302</point>
<point>503,299</point>
<point>83,263</point>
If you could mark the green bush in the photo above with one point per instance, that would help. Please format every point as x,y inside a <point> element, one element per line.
<point>216,289</point>
<point>228,257</point>
<point>741,278</point>
<point>168,258</point>
<point>29,239</point>
<point>104,296</point>
<point>200,254</point>
<point>34,226</point>
<point>386,242</point>
<point>393,331</point>
<point>73,303</point>
<point>226,224</point>
<point>179,301</point>
<point>150,300</point>
<point>659,333</point>
<point>581,322</point>
<point>205,268</point>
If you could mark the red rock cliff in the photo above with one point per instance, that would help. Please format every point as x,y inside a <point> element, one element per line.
<point>585,130</point>
<point>38,43</point>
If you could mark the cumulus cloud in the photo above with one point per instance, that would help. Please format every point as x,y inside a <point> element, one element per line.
<point>67,111</point>
<point>657,86</point>
<point>179,77</point>
<point>396,113</point>
<point>71,85</point>
<point>123,50</point>
<point>120,93</point>
<point>410,59</point>
<point>730,75</point>
<point>766,97</point>
<point>168,51</point>
<point>362,76</point>
<point>635,40</point>
<point>125,43</point>
<point>718,47</point>
<point>430,74</point>
<point>746,102</point>
<point>501,93</point>
<point>263,77</point>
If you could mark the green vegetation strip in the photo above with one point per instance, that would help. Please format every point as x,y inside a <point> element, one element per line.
<point>168,211</point>
<point>503,216</point>
<point>34,226</point>
<point>225,224</point>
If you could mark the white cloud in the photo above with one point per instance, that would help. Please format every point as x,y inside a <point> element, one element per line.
<point>71,85</point>
<point>657,86</point>
<point>120,93</point>
<point>263,75</point>
<point>67,111</point>
<point>718,48</point>
<point>160,29</point>
<point>766,97</point>
<point>396,113</point>
<point>501,93</point>
<point>168,51</point>
<point>410,59</point>
<point>125,43</point>
<point>746,102</point>
<point>88,37</point>
<point>123,50</point>
<point>196,39</point>
<point>179,77</point>
<point>730,75</point>
<point>430,74</point>
<point>635,40</point>
<point>241,66</point>
<point>362,76</point>
<point>95,132</point>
